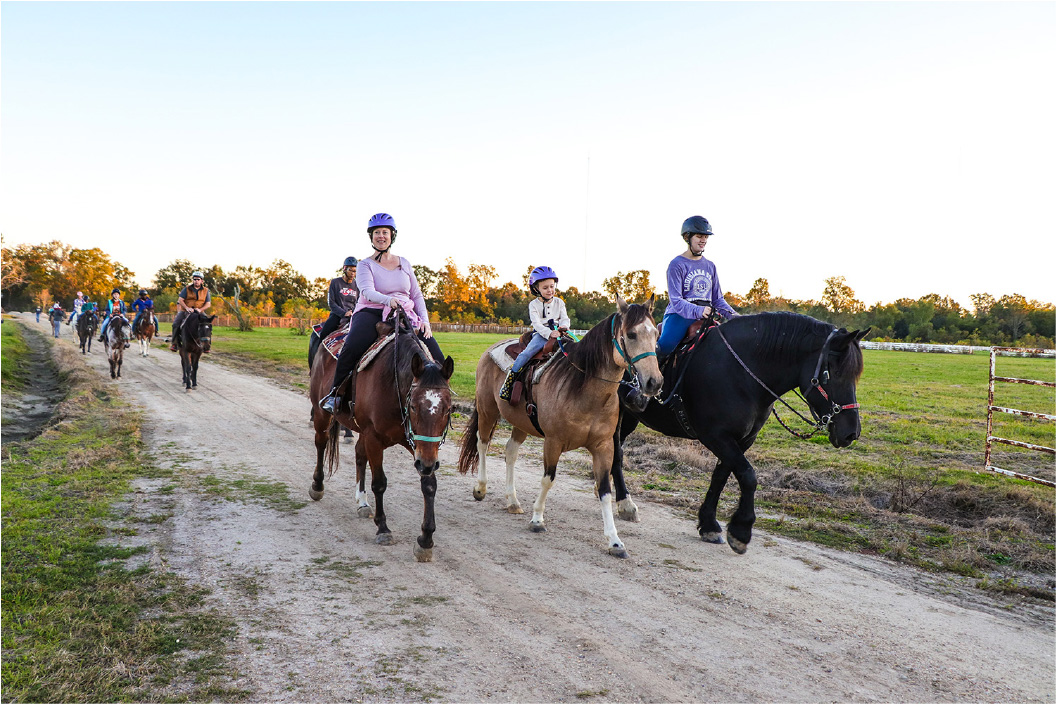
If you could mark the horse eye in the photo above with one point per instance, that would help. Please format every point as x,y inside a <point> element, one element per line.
<point>632,335</point>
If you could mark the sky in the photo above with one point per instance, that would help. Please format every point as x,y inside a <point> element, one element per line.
<point>908,147</point>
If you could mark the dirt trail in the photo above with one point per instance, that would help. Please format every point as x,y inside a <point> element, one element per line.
<point>504,614</point>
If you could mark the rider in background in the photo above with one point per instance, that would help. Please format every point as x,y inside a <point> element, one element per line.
<point>692,286</point>
<point>341,297</point>
<point>546,312</point>
<point>56,315</point>
<point>193,297</point>
<point>386,282</point>
<point>116,305</point>
<point>78,303</point>
<point>142,305</point>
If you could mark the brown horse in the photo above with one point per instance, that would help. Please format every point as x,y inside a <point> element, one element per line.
<point>403,398</point>
<point>577,407</point>
<point>145,331</point>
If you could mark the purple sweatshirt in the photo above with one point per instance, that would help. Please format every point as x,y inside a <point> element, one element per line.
<point>694,280</point>
<point>378,285</point>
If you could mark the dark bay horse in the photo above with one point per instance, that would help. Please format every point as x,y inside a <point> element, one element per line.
<point>403,398</point>
<point>87,324</point>
<point>118,333</point>
<point>196,337</point>
<point>577,407</point>
<point>725,407</point>
<point>145,331</point>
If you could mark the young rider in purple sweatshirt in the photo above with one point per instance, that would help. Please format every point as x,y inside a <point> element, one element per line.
<point>692,286</point>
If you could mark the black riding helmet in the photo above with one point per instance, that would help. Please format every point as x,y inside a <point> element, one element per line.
<point>142,292</point>
<point>695,225</point>
<point>350,261</point>
<point>116,290</point>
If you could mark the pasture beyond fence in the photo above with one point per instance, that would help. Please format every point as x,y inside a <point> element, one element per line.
<point>990,408</point>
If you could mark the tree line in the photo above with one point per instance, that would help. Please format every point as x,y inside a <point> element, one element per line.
<point>38,274</point>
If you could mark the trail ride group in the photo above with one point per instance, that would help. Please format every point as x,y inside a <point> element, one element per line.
<point>706,372</point>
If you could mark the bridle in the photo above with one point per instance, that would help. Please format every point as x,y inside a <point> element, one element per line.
<point>634,383</point>
<point>198,339</point>
<point>821,373</point>
<point>405,414</point>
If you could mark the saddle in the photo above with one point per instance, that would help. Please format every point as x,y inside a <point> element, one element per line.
<point>517,347</point>
<point>335,340</point>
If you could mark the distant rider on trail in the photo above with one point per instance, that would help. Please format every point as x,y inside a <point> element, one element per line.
<point>78,303</point>
<point>142,305</point>
<point>193,297</point>
<point>114,306</point>
<point>341,297</point>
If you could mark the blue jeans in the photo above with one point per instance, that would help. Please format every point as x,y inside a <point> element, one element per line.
<point>674,330</point>
<point>57,325</point>
<point>534,345</point>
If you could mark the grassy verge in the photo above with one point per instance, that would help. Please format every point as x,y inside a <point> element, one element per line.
<point>13,352</point>
<point>78,625</point>
<point>910,489</point>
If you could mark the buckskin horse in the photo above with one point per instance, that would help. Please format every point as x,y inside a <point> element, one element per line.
<point>145,331</point>
<point>195,337</point>
<point>725,388</point>
<point>577,407</point>
<point>87,324</point>
<point>118,333</point>
<point>404,398</point>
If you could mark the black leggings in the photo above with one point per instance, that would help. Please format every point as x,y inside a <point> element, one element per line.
<point>361,335</point>
<point>332,323</point>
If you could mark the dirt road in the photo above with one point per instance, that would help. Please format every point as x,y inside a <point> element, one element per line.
<point>503,614</point>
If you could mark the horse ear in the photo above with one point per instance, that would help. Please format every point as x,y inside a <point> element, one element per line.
<point>859,335</point>
<point>650,303</point>
<point>212,318</point>
<point>621,305</point>
<point>449,367</point>
<point>417,365</point>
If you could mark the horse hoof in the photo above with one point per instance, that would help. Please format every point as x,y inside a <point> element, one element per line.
<point>736,545</point>
<point>516,509</point>
<point>384,539</point>
<point>422,554</point>
<point>537,527</point>
<point>712,537</point>
<point>315,495</point>
<point>618,551</point>
<point>365,512</point>
<point>628,513</point>
<point>479,494</point>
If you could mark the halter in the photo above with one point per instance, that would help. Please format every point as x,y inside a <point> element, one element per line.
<point>820,421</point>
<point>633,383</point>
<point>408,431</point>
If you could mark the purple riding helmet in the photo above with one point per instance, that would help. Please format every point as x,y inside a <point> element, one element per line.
<point>538,274</point>
<point>381,220</point>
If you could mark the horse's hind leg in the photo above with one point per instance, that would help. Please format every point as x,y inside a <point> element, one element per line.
<point>707,525</point>
<point>362,504</point>
<point>513,446</point>
<point>551,454</point>
<point>315,491</point>
<point>487,419</point>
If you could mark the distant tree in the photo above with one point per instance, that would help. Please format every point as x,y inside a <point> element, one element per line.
<point>1012,313</point>
<point>234,305</point>
<point>758,295</point>
<point>982,303</point>
<point>633,286</point>
<point>284,283</point>
<point>427,280</point>
<point>838,297</point>
<point>453,293</point>
<point>176,274</point>
<point>58,270</point>
<point>12,273</point>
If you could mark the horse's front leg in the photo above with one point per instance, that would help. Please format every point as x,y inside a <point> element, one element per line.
<point>626,508</point>
<point>378,482</point>
<point>423,547</point>
<point>707,525</point>
<point>194,372</point>
<point>551,454</point>
<point>602,454</point>
<point>513,446</point>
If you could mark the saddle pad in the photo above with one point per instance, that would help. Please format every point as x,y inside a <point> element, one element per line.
<point>335,340</point>
<point>373,351</point>
<point>501,355</point>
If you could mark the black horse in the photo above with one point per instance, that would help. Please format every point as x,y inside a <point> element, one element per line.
<point>195,337</point>
<point>87,324</point>
<point>729,383</point>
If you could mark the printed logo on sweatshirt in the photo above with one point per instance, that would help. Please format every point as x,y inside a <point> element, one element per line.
<point>697,284</point>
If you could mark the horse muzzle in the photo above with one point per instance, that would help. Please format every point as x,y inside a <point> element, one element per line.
<point>425,468</point>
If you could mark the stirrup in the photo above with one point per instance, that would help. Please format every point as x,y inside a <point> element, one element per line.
<point>507,385</point>
<point>329,402</point>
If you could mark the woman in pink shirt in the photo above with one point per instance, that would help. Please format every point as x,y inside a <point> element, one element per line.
<point>386,282</point>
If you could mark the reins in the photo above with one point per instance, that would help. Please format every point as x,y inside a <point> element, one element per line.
<point>820,421</point>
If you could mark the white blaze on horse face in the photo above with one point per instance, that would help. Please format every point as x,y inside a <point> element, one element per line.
<point>434,400</point>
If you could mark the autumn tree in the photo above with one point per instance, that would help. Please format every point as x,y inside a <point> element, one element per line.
<point>284,282</point>
<point>758,296</point>
<point>58,270</point>
<point>839,298</point>
<point>176,274</point>
<point>427,280</point>
<point>633,287</point>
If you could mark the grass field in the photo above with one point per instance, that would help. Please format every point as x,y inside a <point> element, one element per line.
<point>911,488</point>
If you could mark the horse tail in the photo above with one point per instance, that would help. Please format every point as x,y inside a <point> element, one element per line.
<point>333,434</point>
<point>468,458</point>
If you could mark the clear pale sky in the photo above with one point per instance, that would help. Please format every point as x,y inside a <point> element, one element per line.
<point>909,147</point>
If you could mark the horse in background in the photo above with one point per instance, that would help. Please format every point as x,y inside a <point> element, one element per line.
<point>195,338</point>
<point>404,398</point>
<point>724,389</point>
<point>576,403</point>
<point>118,334</point>
<point>145,331</point>
<point>87,324</point>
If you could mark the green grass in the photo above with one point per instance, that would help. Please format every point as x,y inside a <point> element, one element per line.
<point>76,624</point>
<point>13,351</point>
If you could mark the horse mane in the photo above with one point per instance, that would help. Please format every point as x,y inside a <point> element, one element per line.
<point>592,352</point>
<point>780,338</point>
<point>432,374</point>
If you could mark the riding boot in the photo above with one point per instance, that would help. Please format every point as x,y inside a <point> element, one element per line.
<point>507,384</point>
<point>329,402</point>
<point>172,340</point>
